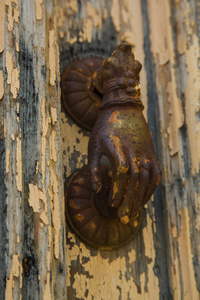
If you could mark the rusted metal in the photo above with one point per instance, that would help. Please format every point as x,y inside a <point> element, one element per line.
<point>99,207</point>
<point>82,91</point>
<point>89,216</point>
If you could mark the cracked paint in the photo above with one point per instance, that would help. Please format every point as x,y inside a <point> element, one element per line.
<point>15,272</point>
<point>13,13</point>
<point>13,75</point>
<point>104,283</point>
<point>39,9</point>
<point>7,160</point>
<point>52,58</point>
<point>1,85</point>
<point>2,31</point>
<point>19,164</point>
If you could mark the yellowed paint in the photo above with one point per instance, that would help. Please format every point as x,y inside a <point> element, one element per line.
<point>53,152</point>
<point>87,31</point>
<point>13,13</point>
<point>106,276</point>
<point>54,195</point>
<point>1,84</point>
<point>14,277</point>
<point>132,32</point>
<point>2,31</point>
<point>34,198</point>
<point>70,134</point>
<point>94,14</point>
<point>12,136</point>
<point>53,115</point>
<point>52,58</point>
<point>39,9</point>
<point>13,75</point>
<point>45,128</point>
<point>15,82</point>
<point>9,66</point>
<point>7,160</point>
<point>44,218</point>
<point>186,257</point>
<point>192,92</point>
<point>47,290</point>
<point>71,7</point>
<point>19,164</point>
<point>60,16</point>
<point>115,14</point>
<point>17,46</point>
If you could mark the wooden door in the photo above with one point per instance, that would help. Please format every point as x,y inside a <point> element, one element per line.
<point>41,147</point>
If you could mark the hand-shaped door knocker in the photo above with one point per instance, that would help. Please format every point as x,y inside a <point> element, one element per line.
<point>104,204</point>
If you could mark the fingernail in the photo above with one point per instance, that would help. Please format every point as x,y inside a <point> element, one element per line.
<point>95,187</point>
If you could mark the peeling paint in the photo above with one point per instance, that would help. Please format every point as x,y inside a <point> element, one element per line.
<point>53,192</point>
<point>13,75</point>
<point>176,119</point>
<point>15,272</point>
<point>39,9</point>
<point>53,152</point>
<point>19,164</point>
<point>2,31</point>
<point>34,197</point>
<point>94,14</point>
<point>7,160</point>
<point>1,84</point>
<point>104,283</point>
<point>47,291</point>
<point>52,58</point>
<point>188,277</point>
<point>53,115</point>
<point>115,14</point>
<point>13,13</point>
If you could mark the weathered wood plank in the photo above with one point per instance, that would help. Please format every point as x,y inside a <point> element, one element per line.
<point>32,214</point>
<point>174,45</point>
<point>138,270</point>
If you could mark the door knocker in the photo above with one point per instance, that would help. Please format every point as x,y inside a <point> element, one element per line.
<point>104,203</point>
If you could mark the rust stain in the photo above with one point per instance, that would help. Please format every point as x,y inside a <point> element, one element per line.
<point>158,179</point>
<point>79,217</point>
<point>93,225</point>
<point>124,220</point>
<point>115,190</point>
<point>135,223</point>
<point>116,141</point>
<point>135,162</point>
<point>72,204</point>
<point>77,188</point>
<point>137,185</point>
<point>113,118</point>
